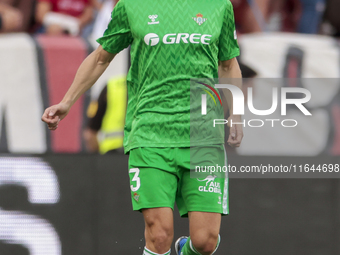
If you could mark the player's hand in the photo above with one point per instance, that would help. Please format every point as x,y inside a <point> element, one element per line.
<point>236,131</point>
<point>54,114</point>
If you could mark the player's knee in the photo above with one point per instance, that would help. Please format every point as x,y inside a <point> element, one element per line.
<point>161,238</point>
<point>204,243</point>
<point>159,234</point>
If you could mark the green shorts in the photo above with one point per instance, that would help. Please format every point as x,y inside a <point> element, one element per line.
<point>191,177</point>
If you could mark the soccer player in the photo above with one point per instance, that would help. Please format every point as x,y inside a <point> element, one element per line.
<point>171,43</point>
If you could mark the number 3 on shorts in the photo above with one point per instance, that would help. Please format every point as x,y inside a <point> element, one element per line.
<point>135,178</point>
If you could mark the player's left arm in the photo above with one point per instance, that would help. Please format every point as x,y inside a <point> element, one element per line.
<point>230,70</point>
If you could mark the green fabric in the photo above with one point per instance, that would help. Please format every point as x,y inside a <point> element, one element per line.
<point>184,41</point>
<point>189,249</point>
<point>148,252</point>
<point>159,177</point>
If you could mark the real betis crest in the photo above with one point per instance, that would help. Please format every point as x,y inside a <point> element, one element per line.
<point>136,196</point>
<point>199,19</point>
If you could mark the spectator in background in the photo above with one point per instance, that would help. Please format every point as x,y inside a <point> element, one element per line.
<point>251,16</point>
<point>16,15</point>
<point>284,15</point>
<point>105,128</point>
<point>303,16</point>
<point>103,18</point>
<point>311,16</point>
<point>64,16</point>
<point>332,16</point>
<point>97,4</point>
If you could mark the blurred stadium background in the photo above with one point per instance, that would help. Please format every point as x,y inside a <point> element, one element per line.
<point>56,198</point>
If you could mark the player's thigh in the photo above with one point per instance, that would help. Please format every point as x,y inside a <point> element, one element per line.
<point>204,223</point>
<point>152,182</point>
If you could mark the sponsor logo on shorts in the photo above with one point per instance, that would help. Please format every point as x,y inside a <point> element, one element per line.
<point>210,186</point>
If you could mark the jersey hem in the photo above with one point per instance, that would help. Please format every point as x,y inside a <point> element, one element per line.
<point>184,213</point>
<point>149,206</point>
<point>106,48</point>
<point>175,145</point>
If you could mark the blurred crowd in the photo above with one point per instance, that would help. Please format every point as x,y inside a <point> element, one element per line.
<point>87,17</point>
<point>302,16</point>
<point>53,17</point>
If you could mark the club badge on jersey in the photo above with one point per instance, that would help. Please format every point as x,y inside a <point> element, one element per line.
<point>199,19</point>
<point>136,196</point>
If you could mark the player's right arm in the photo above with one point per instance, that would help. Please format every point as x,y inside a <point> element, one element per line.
<point>88,73</point>
<point>117,37</point>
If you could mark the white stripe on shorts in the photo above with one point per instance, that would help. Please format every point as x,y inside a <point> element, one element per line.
<point>226,184</point>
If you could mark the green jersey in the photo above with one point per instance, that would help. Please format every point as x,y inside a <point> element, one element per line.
<point>172,41</point>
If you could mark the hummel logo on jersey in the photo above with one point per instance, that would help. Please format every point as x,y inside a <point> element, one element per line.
<point>199,19</point>
<point>153,19</point>
<point>153,39</point>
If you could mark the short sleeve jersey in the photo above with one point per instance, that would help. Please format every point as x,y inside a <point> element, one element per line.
<point>172,41</point>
